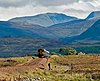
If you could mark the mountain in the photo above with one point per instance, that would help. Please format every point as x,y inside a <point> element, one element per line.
<point>75,27</point>
<point>7,31</point>
<point>57,31</point>
<point>95,14</point>
<point>91,35</point>
<point>70,27</point>
<point>46,19</point>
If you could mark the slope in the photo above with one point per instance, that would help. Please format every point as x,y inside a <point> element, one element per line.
<point>22,46</point>
<point>95,14</point>
<point>7,31</point>
<point>70,27</point>
<point>90,36</point>
<point>75,27</point>
<point>46,19</point>
<point>93,33</point>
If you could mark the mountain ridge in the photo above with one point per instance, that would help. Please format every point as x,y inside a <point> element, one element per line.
<point>95,14</point>
<point>55,32</point>
<point>7,31</point>
<point>90,35</point>
<point>45,19</point>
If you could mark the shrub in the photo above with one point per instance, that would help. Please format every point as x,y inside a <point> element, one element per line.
<point>54,53</point>
<point>68,51</point>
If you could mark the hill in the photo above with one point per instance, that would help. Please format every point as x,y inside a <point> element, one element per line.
<point>7,31</point>
<point>94,15</point>
<point>75,27</point>
<point>91,35</point>
<point>46,19</point>
<point>62,26</point>
<point>72,28</point>
<point>57,31</point>
<point>22,46</point>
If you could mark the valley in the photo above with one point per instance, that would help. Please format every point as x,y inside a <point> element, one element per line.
<point>21,37</point>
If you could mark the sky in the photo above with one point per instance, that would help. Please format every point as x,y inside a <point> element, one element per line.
<point>18,8</point>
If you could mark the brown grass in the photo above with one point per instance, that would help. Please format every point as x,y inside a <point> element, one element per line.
<point>27,66</point>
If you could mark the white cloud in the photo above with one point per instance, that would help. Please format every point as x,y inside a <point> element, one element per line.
<point>14,3</point>
<point>55,2</point>
<point>11,12</point>
<point>17,8</point>
<point>82,8</point>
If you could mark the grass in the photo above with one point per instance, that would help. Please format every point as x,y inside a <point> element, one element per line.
<point>15,61</point>
<point>85,67</point>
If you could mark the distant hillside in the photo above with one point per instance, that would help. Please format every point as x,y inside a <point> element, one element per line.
<point>46,19</point>
<point>95,14</point>
<point>57,31</point>
<point>62,26</point>
<point>72,28</point>
<point>21,46</point>
<point>90,35</point>
<point>7,31</point>
<point>75,27</point>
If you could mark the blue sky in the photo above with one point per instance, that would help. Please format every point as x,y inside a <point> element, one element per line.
<point>17,8</point>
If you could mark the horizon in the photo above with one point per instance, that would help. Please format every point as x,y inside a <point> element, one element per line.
<point>20,8</point>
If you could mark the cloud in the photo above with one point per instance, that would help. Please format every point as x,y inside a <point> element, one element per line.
<point>14,3</point>
<point>17,8</point>
<point>86,0</point>
<point>54,2</point>
<point>11,12</point>
<point>82,8</point>
<point>19,3</point>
